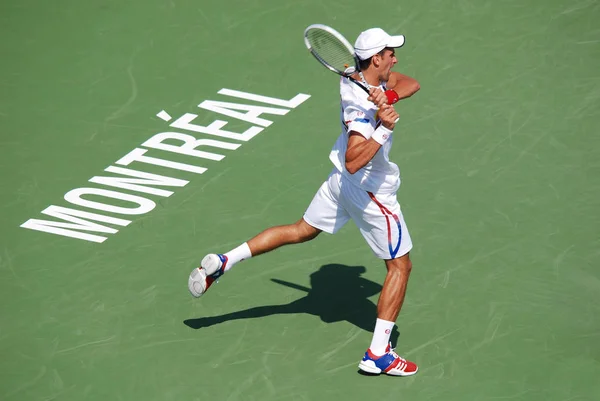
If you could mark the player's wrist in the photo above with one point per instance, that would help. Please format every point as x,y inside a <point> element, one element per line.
<point>381,135</point>
<point>392,96</point>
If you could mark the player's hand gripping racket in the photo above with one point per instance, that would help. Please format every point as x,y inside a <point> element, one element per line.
<point>332,50</point>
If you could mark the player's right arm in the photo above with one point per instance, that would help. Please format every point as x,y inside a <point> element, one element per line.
<point>361,150</point>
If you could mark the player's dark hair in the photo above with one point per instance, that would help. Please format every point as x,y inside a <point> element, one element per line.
<point>364,64</point>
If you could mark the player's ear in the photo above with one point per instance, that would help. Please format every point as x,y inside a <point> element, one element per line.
<point>376,60</point>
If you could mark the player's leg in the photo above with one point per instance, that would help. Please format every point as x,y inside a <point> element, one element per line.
<point>380,357</point>
<point>274,237</point>
<point>390,301</point>
<point>382,225</point>
<point>323,214</point>
<point>268,240</point>
<point>214,265</point>
<point>394,288</point>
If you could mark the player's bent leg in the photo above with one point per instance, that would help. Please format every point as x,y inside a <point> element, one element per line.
<point>323,214</point>
<point>215,265</point>
<point>274,237</point>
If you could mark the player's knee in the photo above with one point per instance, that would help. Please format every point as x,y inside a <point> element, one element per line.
<point>305,232</point>
<point>308,234</point>
<point>408,266</point>
<point>402,265</point>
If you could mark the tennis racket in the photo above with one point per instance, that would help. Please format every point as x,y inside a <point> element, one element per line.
<point>332,50</point>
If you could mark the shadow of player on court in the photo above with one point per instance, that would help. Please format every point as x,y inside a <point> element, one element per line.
<point>338,293</point>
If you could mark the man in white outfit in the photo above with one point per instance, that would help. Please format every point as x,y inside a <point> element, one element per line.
<point>361,187</point>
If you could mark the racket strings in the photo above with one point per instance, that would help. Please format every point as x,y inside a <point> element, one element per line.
<point>330,50</point>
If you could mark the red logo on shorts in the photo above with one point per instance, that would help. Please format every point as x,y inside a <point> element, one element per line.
<point>388,331</point>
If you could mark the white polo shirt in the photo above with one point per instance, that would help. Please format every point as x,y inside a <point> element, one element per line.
<point>358,114</point>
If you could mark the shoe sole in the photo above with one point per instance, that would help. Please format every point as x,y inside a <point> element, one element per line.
<point>376,371</point>
<point>369,369</point>
<point>195,286</point>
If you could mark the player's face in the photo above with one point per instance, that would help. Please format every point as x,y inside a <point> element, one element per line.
<point>388,60</point>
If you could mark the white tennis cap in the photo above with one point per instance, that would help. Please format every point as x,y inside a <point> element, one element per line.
<point>374,40</point>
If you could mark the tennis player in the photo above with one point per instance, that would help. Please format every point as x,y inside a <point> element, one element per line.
<point>361,187</point>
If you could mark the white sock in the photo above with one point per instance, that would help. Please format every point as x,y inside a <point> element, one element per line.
<point>237,255</point>
<point>381,336</point>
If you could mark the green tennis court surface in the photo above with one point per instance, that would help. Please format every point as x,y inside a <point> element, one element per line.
<point>500,165</point>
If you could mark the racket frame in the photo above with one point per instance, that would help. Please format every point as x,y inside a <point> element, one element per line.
<point>364,85</point>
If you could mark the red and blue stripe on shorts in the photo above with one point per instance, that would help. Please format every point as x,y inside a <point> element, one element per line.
<point>387,213</point>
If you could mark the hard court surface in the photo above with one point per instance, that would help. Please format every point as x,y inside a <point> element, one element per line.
<point>500,160</point>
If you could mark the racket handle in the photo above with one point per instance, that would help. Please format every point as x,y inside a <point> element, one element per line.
<point>396,120</point>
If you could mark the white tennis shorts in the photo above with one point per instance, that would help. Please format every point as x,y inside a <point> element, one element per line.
<point>378,217</point>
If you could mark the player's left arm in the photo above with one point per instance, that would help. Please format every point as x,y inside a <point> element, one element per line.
<point>403,85</point>
<point>398,87</point>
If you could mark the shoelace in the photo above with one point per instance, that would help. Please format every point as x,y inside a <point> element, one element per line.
<point>402,364</point>
<point>393,352</point>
